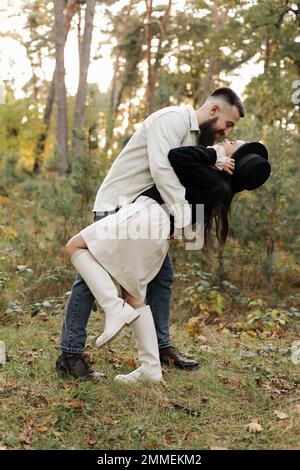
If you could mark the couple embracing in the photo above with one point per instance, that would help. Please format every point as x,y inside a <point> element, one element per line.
<point>170,177</point>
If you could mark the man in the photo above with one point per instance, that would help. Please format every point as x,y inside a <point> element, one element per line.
<point>142,163</point>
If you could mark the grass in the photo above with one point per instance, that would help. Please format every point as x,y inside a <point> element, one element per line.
<point>241,379</point>
<point>211,406</point>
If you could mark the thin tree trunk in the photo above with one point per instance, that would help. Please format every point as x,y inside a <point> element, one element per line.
<point>60,89</point>
<point>79,31</point>
<point>163,29</point>
<point>116,95</point>
<point>71,9</point>
<point>219,19</point>
<point>268,44</point>
<point>85,50</point>
<point>150,82</point>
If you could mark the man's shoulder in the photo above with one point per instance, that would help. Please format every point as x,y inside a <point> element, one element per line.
<point>168,113</point>
<point>183,109</point>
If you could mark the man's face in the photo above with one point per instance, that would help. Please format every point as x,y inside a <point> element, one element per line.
<point>222,121</point>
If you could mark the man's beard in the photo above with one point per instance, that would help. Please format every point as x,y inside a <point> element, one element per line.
<point>208,132</point>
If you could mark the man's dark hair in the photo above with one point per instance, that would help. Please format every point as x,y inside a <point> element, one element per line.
<point>230,97</point>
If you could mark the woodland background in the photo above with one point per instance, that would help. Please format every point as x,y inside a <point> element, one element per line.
<point>236,310</point>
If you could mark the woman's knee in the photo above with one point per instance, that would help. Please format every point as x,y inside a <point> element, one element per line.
<point>71,246</point>
<point>74,244</point>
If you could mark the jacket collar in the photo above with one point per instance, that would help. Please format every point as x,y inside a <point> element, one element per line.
<point>193,118</point>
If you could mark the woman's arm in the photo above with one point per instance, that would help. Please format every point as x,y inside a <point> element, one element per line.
<point>187,160</point>
<point>191,154</point>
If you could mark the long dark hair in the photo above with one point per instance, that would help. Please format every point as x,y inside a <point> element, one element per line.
<point>219,193</point>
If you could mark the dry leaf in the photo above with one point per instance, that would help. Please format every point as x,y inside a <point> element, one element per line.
<point>42,429</point>
<point>254,426</point>
<point>131,362</point>
<point>108,421</point>
<point>280,415</point>
<point>77,404</point>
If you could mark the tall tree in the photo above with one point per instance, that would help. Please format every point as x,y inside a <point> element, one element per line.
<point>85,49</point>
<point>117,86</point>
<point>150,78</point>
<point>60,88</point>
<point>71,9</point>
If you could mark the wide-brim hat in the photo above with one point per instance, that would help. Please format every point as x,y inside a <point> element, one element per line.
<point>252,167</point>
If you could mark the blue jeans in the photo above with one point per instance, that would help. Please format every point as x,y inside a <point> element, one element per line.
<point>81,300</point>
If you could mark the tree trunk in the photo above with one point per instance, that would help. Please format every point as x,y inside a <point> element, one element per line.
<point>163,24</point>
<point>85,49</point>
<point>60,89</point>
<point>116,95</point>
<point>268,44</point>
<point>150,82</point>
<point>71,9</point>
<point>219,19</point>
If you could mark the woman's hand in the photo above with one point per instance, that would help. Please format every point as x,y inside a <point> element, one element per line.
<point>229,165</point>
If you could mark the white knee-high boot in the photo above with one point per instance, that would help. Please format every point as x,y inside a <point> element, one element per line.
<point>117,312</point>
<point>148,353</point>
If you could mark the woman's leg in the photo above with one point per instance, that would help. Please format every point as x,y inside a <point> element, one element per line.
<point>117,312</point>
<point>74,244</point>
<point>146,341</point>
<point>130,299</point>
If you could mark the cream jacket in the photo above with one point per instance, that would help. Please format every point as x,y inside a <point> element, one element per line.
<point>144,162</point>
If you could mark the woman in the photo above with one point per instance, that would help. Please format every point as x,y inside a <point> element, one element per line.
<point>114,247</point>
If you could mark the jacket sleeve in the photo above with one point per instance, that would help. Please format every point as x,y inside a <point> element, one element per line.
<point>165,133</point>
<point>187,161</point>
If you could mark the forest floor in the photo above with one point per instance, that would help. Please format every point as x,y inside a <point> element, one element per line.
<point>245,394</point>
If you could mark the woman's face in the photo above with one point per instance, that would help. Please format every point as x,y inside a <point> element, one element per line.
<point>230,146</point>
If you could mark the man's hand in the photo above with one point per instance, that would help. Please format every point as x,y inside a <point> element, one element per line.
<point>177,234</point>
<point>229,165</point>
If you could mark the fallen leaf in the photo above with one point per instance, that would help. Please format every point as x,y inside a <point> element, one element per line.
<point>131,362</point>
<point>42,429</point>
<point>254,426</point>
<point>76,404</point>
<point>280,415</point>
<point>108,421</point>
